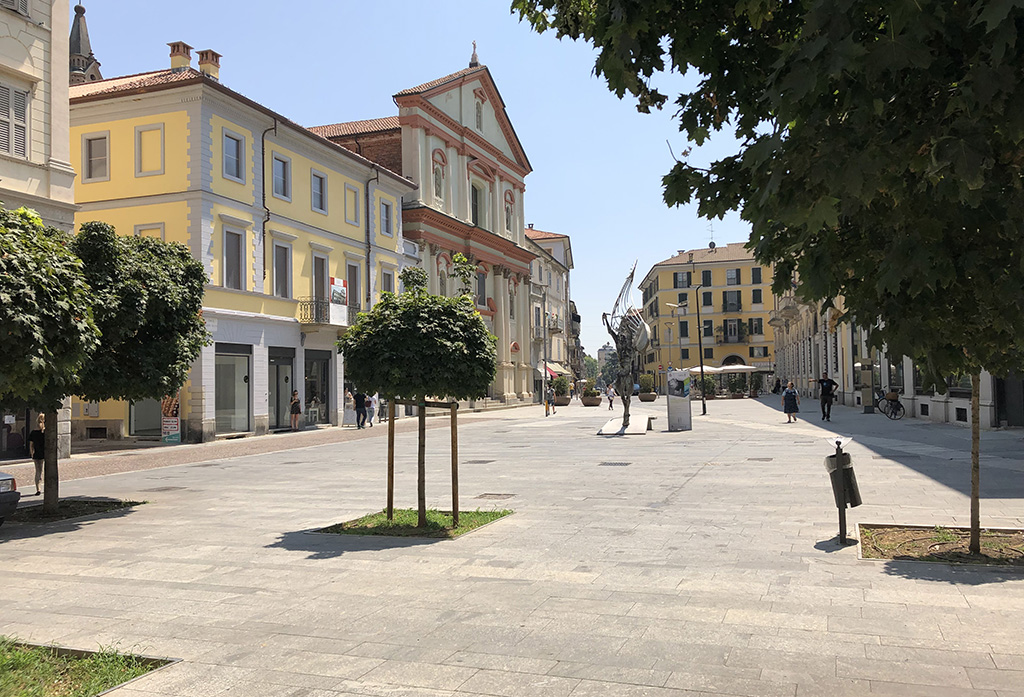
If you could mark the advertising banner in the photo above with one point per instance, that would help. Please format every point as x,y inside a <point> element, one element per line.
<point>170,419</point>
<point>678,393</point>
<point>339,291</point>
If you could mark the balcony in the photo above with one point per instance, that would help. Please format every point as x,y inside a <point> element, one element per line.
<point>775,319</point>
<point>788,308</point>
<point>317,312</point>
<point>555,325</point>
<point>538,333</point>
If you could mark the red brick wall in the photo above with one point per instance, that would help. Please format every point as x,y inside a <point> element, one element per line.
<point>384,149</point>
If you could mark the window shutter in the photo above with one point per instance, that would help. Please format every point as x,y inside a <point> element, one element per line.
<point>739,277</point>
<point>12,4</point>
<point>23,6</point>
<point>19,142</point>
<point>5,119</point>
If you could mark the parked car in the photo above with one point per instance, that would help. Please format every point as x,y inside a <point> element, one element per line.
<point>9,496</point>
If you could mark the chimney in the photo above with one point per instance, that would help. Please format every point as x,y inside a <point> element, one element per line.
<point>530,226</point>
<point>209,63</point>
<point>181,55</point>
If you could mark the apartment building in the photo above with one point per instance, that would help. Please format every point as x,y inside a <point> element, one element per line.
<point>296,234</point>
<point>550,311</point>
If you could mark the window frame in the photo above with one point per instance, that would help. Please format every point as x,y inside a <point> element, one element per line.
<point>227,133</point>
<point>387,230</point>
<point>18,6</point>
<point>708,328</point>
<point>709,354</point>
<point>317,255</point>
<point>352,219</point>
<point>477,204</point>
<point>733,277</point>
<point>86,162</point>
<point>275,158</point>
<point>756,297</point>
<point>279,244</point>
<point>314,175</point>
<point>684,329</point>
<point>755,271</point>
<point>705,278</point>
<point>227,230</point>
<point>388,274</point>
<point>139,130</point>
<point>137,229</point>
<point>707,298</point>
<point>480,294</point>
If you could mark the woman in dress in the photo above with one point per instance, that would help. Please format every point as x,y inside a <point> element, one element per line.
<point>296,408</point>
<point>790,402</point>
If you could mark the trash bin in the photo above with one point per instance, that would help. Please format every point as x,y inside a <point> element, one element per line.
<point>844,481</point>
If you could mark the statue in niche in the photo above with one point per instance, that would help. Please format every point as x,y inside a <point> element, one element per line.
<point>631,336</point>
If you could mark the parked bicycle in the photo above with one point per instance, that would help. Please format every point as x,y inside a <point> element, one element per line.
<point>889,404</point>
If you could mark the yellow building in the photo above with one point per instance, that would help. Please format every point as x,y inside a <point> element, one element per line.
<point>296,234</point>
<point>717,299</point>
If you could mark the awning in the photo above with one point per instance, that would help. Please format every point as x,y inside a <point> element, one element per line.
<point>556,369</point>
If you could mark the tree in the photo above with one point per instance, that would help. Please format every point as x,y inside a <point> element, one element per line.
<point>48,329</point>
<point>97,315</point>
<point>878,155</point>
<point>147,302</point>
<point>416,345</point>
<point>591,368</point>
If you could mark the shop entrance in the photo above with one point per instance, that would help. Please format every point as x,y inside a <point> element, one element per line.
<point>318,386</point>
<point>231,387</point>
<point>281,386</point>
<point>13,434</point>
<point>144,418</point>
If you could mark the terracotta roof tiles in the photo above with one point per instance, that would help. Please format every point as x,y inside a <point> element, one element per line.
<point>352,128</point>
<point>535,234</point>
<point>440,81</point>
<point>735,251</point>
<point>131,82</point>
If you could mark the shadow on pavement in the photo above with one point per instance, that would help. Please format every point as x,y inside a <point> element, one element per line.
<point>328,546</point>
<point>14,529</point>
<point>960,574</point>
<point>833,545</point>
<point>951,469</point>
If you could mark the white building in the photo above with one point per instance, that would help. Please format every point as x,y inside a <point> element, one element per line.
<point>551,316</point>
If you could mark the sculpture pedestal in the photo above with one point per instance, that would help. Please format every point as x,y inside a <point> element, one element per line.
<point>638,425</point>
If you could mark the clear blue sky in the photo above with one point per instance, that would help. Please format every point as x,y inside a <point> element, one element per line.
<point>597,162</point>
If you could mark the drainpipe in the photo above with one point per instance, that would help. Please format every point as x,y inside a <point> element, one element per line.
<point>369,232</point>
<point>263,193</point>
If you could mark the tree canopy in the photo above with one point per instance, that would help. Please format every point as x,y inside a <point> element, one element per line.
<point>878,150</point>
<point>147,299</point>
<point>417,345</point>
<point>46,316</point>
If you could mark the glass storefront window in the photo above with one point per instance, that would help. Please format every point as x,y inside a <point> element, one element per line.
<point>280,385</point>
<point>231,388</point>
<point>318,386</point>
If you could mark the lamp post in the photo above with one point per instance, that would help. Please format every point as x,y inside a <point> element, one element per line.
<point>700,350</point>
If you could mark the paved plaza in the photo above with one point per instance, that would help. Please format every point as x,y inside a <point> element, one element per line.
<point>664,565</point>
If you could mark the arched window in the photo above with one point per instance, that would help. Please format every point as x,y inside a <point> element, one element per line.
<point>479,116</point>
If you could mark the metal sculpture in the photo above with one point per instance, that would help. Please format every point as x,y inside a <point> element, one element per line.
<point>631,336</point>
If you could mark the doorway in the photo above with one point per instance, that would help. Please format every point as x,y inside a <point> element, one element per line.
<point>281,384</point>
<point>318,386</point>
<point>145,418</point>
<point>231,387</point>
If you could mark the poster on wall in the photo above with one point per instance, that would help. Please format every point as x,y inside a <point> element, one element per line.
<point>170,419</point>
<point>339,291</point>
<point>678,390</point>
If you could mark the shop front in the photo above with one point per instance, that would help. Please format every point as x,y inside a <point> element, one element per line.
<point>280,385</point>
<point>317,386</point>
<point>232,403</point>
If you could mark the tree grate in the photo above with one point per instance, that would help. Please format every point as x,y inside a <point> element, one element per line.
<point>495,497</point>
<point>613,464</point>
<point>477,462</point>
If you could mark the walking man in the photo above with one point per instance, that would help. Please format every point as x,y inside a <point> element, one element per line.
<point>828,392</point>
<point>360,399</point>
<point>37,449</point>
<point>549,401</point>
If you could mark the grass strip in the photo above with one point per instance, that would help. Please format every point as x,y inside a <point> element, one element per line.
<point>439,523</point>
<point>71,508</point>
<point>941,544</point>
<point>40,672</point>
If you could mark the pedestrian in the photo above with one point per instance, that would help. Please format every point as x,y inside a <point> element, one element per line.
<point>611,397</point>
<point>549,401</point>
<point>778,386</point>
<point>371,409</point>
<point>37,449</point>
<point>360,400</point>
<point>790,402</point>
<point>295,406</point>
<point>828,393</point>
<point>382,410</point>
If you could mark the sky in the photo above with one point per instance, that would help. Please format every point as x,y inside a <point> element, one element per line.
<point>597,162</point>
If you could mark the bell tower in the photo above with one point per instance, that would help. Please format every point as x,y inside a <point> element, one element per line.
<point>83,64</point>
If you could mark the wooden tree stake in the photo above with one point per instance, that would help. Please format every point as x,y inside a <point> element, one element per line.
<point>455,464</point>
<point>391,459</point>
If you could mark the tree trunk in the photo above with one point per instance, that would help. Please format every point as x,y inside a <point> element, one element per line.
<point>421,460</point>
<point>975,544</point>
<point>51,477</point>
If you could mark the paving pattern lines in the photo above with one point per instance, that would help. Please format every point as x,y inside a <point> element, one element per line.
<point>704,566</point>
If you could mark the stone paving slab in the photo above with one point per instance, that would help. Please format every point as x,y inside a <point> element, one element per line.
<point>705,565</point>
